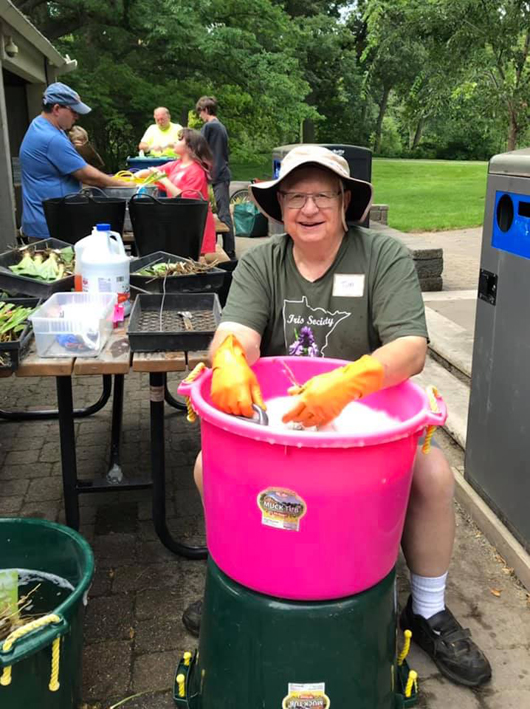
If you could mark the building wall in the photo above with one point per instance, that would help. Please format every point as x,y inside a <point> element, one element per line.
<point>17,109</point>
<point>7,192</point>
<point>29,63</point>
<point>24,77</point>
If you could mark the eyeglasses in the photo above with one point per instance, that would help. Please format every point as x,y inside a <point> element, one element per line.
<point>296,200</point>
<point>69,108</point>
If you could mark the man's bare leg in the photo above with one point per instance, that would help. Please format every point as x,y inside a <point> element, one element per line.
<point>429,531</point>
<point>427,542</point>
<point>197,473</point>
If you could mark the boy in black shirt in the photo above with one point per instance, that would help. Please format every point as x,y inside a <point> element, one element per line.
<point>215,133</point>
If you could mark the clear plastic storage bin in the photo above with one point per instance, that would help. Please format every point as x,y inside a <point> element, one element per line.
<point>73,324</point>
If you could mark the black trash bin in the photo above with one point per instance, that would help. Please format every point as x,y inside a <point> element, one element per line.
<point>175,225</point>
<point>229,267</point>
<point>72,217</point>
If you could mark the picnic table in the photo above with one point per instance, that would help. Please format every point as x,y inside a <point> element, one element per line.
<point>115,361</point>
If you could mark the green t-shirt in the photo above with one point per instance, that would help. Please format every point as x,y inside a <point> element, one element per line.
<point>368,297</point>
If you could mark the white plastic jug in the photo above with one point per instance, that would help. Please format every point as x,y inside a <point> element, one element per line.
<point>102,266</point>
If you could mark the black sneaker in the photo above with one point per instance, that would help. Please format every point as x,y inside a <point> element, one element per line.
<point>449,645</point>
<point>192,618</point>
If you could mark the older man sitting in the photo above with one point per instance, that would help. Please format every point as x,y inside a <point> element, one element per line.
<point>366,284</point>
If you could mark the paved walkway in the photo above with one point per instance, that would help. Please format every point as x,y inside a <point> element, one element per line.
<point>458,300</point>
<point>461,256</point>
<point>133,632</point>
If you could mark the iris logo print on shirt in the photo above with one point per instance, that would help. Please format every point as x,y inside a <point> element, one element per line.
<point>307,329</point>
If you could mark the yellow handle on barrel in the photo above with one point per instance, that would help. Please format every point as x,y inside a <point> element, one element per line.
<point>124,175</point>
<point>406,647</point>
<point>412,681</point>
<point>5,679</point>
<point>432,395</point>
<point>191,416</point>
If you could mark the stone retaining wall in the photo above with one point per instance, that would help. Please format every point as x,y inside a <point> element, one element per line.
<point>429,260</point>
<point>379,213</point>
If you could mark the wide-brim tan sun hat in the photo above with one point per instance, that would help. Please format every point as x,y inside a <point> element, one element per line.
<point>265,194</point>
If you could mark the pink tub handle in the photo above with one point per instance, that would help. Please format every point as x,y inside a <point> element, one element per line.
<point>186,386</point>
<point>437,418</point>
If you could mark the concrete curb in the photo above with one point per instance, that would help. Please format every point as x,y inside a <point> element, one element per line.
<point>496,533</point>
<point>450,342</point>
<point>456,395</point>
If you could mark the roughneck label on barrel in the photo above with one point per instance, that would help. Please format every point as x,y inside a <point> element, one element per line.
<point>306,696</point>
<point>281,508</point>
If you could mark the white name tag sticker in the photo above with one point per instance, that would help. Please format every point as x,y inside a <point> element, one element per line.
<point>348,285</point>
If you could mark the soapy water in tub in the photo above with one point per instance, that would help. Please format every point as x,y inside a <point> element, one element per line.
<point>356,418</point>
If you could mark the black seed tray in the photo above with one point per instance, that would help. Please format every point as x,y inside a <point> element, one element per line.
<point>12,353</point>
<point>149,332</point>
<point>22,285</point>
<point>209,282</point>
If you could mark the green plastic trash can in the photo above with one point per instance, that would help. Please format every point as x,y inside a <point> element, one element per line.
<point>42,668</point>
<point>248,220</point>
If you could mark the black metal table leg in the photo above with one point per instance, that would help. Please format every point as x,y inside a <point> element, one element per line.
<point>68,457</point>
<point>158,472</point>
<point>54,413</point>
<point>170,399</point>
<point>115,474</point>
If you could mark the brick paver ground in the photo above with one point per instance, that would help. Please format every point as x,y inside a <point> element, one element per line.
<point>133,632</point>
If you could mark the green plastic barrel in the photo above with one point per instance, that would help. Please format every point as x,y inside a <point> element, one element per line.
<point>52,549</point>
<point>260,651</point>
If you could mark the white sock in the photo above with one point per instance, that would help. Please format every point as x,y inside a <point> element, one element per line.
<point>428,594</point>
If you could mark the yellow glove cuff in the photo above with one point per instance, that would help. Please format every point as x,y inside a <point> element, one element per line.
<point>364,376</point>
<point>229,350</point>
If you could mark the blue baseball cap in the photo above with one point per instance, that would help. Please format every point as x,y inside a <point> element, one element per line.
<point>65,96</point>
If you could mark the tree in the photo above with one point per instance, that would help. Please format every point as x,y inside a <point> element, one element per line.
<point>395,59</point>
<point>486,46</point>
<point>134,55</point>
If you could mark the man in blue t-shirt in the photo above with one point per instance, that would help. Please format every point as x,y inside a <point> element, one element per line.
<point>50,165</point>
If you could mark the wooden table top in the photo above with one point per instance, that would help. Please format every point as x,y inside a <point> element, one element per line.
<point>220,227</point>
<point>115,358</point>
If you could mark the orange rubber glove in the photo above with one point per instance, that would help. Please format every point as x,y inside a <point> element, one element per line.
<point>234,385</point>
<point>322,398</point>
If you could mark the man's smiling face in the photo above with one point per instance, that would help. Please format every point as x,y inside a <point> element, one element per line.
<point>312,223</point>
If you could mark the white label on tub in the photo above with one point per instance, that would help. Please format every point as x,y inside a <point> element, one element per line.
<point>281,508</point>
<point>348,285</point>
<point>306,696</point>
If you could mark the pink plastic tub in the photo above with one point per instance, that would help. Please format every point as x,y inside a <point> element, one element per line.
<point>301,515</point>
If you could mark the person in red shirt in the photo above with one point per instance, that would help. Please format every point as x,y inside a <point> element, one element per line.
<point>188,176</point>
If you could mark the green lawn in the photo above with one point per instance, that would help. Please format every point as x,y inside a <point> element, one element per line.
<point>260,168</point>
<point>430,195</point>
<point>422,195</point>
